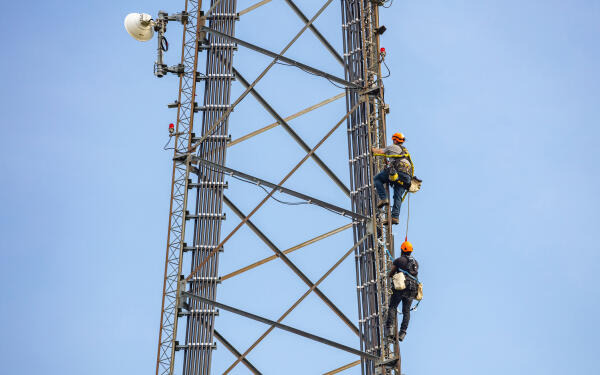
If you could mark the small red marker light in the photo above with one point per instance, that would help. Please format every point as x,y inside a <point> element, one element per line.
<point>382,50</point>
<point>171,128</point>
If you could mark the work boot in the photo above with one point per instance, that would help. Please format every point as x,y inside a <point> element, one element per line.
<point>401,335</point>
<point>395,221</point>
<point>382,203</point>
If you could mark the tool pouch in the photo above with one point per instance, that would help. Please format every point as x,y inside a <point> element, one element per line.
<point>419,292</point>
<point>392,174</point>
<point>415,184</point>
<point>399,281</point>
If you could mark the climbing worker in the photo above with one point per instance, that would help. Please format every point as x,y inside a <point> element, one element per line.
<point>410,267</point>
<point>398,174</point>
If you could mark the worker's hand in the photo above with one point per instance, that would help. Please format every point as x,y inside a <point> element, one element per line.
<point>392,270</point>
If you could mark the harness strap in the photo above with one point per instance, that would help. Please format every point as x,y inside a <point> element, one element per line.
<point>405,272</point>
<point>394,156</point>
<point>406,155</point>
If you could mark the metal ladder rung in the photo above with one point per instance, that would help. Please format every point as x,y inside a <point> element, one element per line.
<point>196,345</point>
<point>215,15</point>
<point>217,137</point>
<point>201,247</point>
<point>196,312</point>
<point>205,279</point>
<point>205,215</point>
<point>208,184</point>
<point>203,46</point>
<point>212,107</point>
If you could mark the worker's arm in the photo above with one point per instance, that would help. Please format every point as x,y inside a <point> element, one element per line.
<point>393,270</point>
<point>377,150</point>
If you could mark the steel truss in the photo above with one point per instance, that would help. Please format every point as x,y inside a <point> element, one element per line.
<point>198,201</point>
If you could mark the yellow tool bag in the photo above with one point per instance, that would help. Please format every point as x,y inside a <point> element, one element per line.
<point>399,281</point>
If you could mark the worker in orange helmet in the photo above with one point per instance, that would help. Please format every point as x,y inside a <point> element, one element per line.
<point>410,267</point>
<point>397,174</point>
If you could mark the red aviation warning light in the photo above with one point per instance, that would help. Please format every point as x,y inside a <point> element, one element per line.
<point>171,128</point>
<point>382,52</point>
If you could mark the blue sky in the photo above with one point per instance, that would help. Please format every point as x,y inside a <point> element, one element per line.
<point>499,103</point>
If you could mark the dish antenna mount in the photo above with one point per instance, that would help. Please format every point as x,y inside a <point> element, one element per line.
<point>141,27</point>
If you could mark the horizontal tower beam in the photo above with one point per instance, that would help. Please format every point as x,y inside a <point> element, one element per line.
<point>297,64</point>
<point>293,193</point>
<point>280,326</point>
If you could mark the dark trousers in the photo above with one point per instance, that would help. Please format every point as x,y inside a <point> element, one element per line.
<point>397,297</point>
<point>399,186</point>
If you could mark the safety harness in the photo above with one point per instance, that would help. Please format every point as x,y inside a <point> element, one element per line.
<point>415,182</point>
<point>419,290</point>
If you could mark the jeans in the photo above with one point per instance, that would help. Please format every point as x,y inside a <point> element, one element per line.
<point>397,297</point>
<point>399,186</point>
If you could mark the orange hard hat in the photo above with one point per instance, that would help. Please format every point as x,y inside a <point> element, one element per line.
<point>406,247</point>
<point>398,137</point>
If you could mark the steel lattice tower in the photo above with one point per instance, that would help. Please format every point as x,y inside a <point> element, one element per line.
<point>199,180</point>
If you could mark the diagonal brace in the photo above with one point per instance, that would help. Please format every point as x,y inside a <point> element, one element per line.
<point>298,301</point>
<point>260,76</point>
<point>289,118</point>
<point>345,367</point>
<point>280,326</point>
<point>236,353</point>
<point>290,264</point>
<point>293,193</point>
<point>265,199</point>
<point>251,8</point>
<point>291,132</point>
<point>287,251</point>
<point>280,57</point>
<point>316,32</point>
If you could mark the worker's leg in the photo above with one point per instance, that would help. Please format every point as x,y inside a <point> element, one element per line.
<point>379,181</point>
<point>393,309</point>
<point>399,189</point>
<point>406,303</point>
<point>398,192</point>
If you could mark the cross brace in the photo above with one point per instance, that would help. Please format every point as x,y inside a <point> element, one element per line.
<point>280,326</point>
<point>280,57</point>
<point>236,353</point>
<point>292,133</point>
<point>258,181</point>
<point>290,264</point>
<point>316,32</point>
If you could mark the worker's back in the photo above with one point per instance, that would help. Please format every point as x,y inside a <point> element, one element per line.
<point>400,164</point>
<point>407,263</point>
